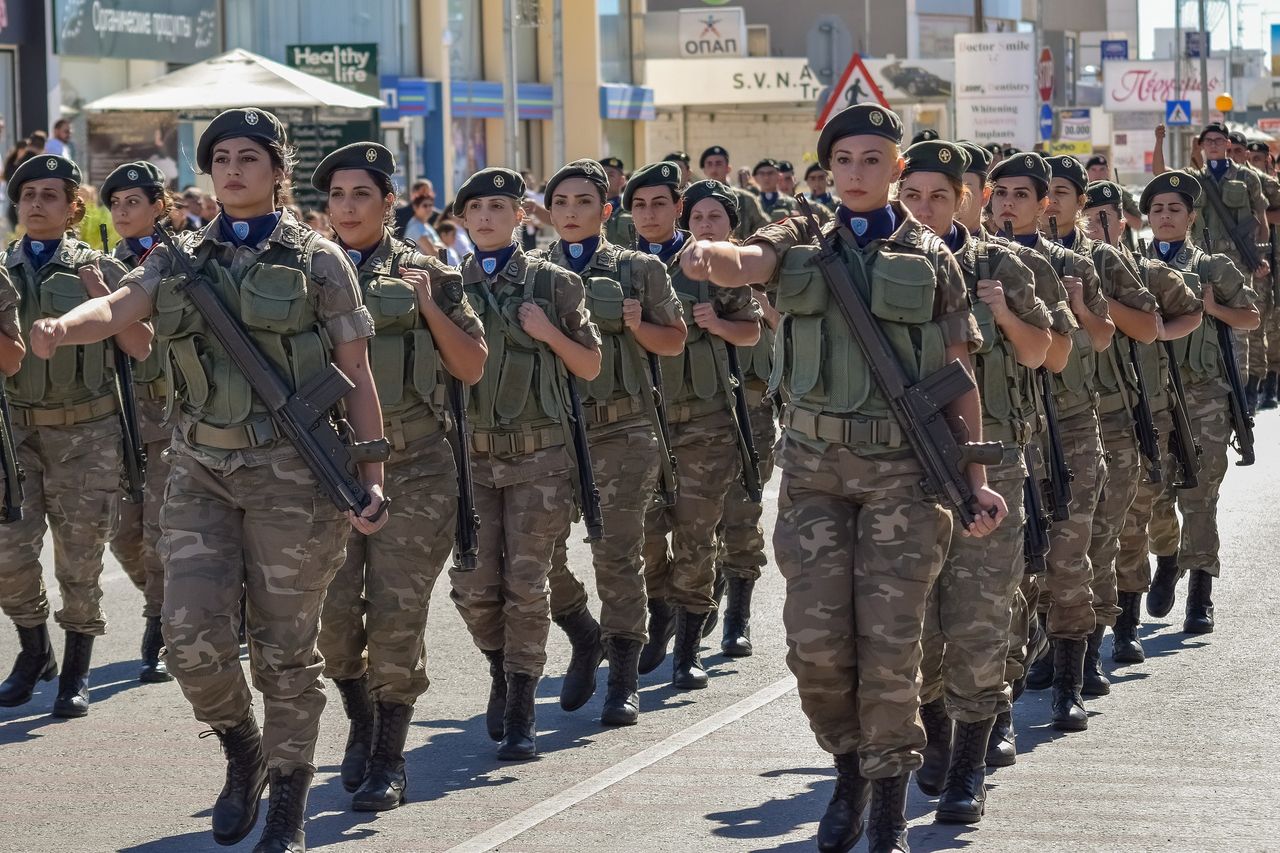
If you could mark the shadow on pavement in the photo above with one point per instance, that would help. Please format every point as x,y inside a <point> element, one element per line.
<point>115,678</point>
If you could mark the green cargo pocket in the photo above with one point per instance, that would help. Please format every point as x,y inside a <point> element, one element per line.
<point>171,305</point>
<point>387,363</point>
<point>515,382</point>
<point>1235,194</point>
<point>391,303</point>
<point>673,374</point>
<point>802,292</point>
<point>273,298</point>
<point>987,324</point>
<point>806,336</point>
<point>704,375</point>
<point>426,363</point>
<point>902,289</point>
<point>601,388</point>
<point>604,299</point>
<point>997,390</point>
<point>634,372</point>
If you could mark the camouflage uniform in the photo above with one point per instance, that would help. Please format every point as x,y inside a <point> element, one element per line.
<point>624,444</point>
<point>620,230</point>
<point>742,543</point>
<point>1242,196</point>
<point>521,465</point>
<point>242,512</point>
<point>1262,343</point>
<point>751,217</point>
<point>375,613</point>
<point>858,541</point>
<point>67,437</point>
<point>779,207</point>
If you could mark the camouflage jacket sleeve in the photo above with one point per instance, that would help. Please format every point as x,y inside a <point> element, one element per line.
<point>1230,287</point>
<point>337,295</point>
<point>1020,290</point>
<point>9,326</point>
<point>736,303</point>
<point>1170,289</point>
<point>155,268</point>
<point>113,272</point>
<point>571,309</point>
<point>951,309</point>
<point>1050,290</point>
<point>1271,192</point>
<point>1082,268</point>
<point>1120,283</point>
<point>658,301</point>
<point>446,292</point>
<point>750,211</point>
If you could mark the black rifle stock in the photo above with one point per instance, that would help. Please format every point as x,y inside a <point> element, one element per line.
<point>303,416</point>
<point>919,409</point>
<point>588,494</point>
<point>668,481</point>
<point>1035,533</point>
<point>1241,420</point>
<point>466,544</point>
<point>746,441</point>
<point>11,510</point>
<point>1182,444</point>
<point>133,477</point>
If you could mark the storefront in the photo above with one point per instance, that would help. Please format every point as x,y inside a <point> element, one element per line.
<point>24,105</point>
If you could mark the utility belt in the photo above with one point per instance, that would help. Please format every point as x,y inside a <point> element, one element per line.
<point>755,389</point>
<point>157,389</point>
<point>1110,403</point>
<point>680,413</point>
<point>93,410</point>
<point>1011,432</point>
<point>401,433</point>
<point>245,436</point>
<point>517,443</point>
<point>835,429</point>
<point>603,414</point>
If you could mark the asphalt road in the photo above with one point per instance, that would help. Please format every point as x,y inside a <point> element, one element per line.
<point>1180,757</point>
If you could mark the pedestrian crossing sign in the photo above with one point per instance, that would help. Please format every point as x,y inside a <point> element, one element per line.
<point>1177,112</point>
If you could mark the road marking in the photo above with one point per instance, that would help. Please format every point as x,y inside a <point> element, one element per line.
<point>548,808</point>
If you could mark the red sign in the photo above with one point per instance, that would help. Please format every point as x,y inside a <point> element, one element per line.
<point>850,90</point>
<point>1044,75</point>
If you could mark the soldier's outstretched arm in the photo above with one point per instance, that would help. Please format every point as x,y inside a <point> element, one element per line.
<point>728,264</point>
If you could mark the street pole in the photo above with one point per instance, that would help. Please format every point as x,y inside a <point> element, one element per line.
<point>1175,138</point>
<point>510,115</point>
<point>1204,64</point>
<point>557,81</point>
<point>979,17</point>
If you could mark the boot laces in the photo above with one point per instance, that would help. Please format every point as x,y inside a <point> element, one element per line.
<point>886,811</point>
<point>235,747</point>
<point>280,807</point>
<point>848,778</point>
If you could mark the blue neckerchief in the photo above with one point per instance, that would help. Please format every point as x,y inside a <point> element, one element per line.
<point>586,250</point>
<point>359,256</point>
<point>768,198</point>
<point>1028,240</point>
<point>665,250</point>
<point>1218,168</point>
<point>1167,249</point>
<point>40,252</point>
<point>248,232</point>
<point>872,225</point>
<point>1068,240</point>
<point>825,198</point>
<point>954,239</point>
<point>140,245</point>
<point>491,262</point>
<point>616,201</point>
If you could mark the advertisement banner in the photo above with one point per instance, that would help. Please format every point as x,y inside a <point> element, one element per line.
<point>702,32</point>
<point>1147,85</point>
<point>352,65</point>
<point>995,88</point>
<point>168,30</point>
<point>1275,50</point>
<point>1075,133</point>
<point>124,137</point>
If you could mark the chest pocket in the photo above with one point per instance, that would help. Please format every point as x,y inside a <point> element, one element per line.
<point>902,288</point>
<point>987,323</point>
<point>619,369</point>
<point>402,353</point>
<point>692,374</point>
<point>74,371</point>
<point>1235,194</point>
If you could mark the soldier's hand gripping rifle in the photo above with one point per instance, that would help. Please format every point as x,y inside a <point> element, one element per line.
<point>919,409</point>
<point>134,476</point>
<point>1241,420</point>
<point>466,543</point>
<point>303,416</point>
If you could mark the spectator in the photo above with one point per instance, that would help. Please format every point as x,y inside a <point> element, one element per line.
<point>94,215</point>
<point>60,142</point>
<point>448,232</point>
<point>464,244</point>
<point>319,223</point>
<point>419,229</point>
<point>419,189</point>
<point>209,207</point>
<point>192,207</point>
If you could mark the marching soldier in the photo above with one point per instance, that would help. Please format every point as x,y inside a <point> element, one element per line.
<point>375,613</point>
<point>857,540</point>
<point>1259,155</point>
<point>243,513</point>
<point>618,230</point>
<point>714,164</point>
<point>681,159</point>
<point>66,433</point>
<point>536,322</point>
<point>1098,168</point>
<point>776,204</point>
<point>632,303</point>
<point>819,183</point>
<point>786,178</point>
<point>1260,342</point>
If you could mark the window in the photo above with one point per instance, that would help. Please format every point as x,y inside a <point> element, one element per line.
<point>466,53</point>
<point>615,41</point>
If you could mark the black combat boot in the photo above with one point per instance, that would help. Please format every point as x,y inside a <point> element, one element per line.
<point>497,694</point>
<point>686,665</point>
<point>887,825</point>
<point>1163,586</point>
<point>579,683</point>
<point>286,813</point>
<point>154,670</point>
<point>717,592</point>
<point>1039,675</point>
<point>622,696</point>
<point>1068,677</point>
<point>1199,603</point>
<point>1251,394</point>
<point>519,736</point>
<point>236,809</point>
<point>73,683</point>
<point>1002,746</point>
<point>965,797</point>
<point>35,663</point>
<point>737,619</point>
<point>841,826</point>
<point>662,627</point>
<point>384,784</point>
<point>359,708</point>
<point>1126,647</point>
<point>1037,649</point>
<point>937,727</point>
<point>1270,392</point>
<point>1096,682</point>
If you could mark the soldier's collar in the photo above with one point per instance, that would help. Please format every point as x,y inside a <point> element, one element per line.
<point>288,232</point>
<point>513,269</point>
<point>380,260</point>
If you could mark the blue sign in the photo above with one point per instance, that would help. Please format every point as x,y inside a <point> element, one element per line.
<point>404,96</point>
<point>390,112</point>
<point>1177,113</point>
<point>1115,49</point>
<point>1046,122</point>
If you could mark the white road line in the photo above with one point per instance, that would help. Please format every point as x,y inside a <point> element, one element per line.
<point>548,808</point>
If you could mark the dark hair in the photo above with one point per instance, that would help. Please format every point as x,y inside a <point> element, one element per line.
<point>446,228</point>
<point>284,157</point>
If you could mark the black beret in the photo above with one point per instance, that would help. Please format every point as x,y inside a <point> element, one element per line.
<point>699,190</point>
<point>678,157</point>
<point>926,135</point>
<point>1259,147</point>
<point>814,167</point>
<point>589,169</point>
<point>494,180</point>
<point>613,163</point>
<point>1181,183</point>
<point>858,120</point>
<point>1237,138</point>
<point>979,158</point>
<point>766,163</point>
<point>1103,194</point>
<point>785,166</point>
<point>252,122</point>
<point>713,151</point>
<point>945,158</point>
<point>1010,150</point>
<point>1069,169</point>
<point>43,166</point>
<point>1214,127</point>
<point>663,174</point>
<point>995,148</point>
<point>369,156</point>
<point>1096,160</point>
<point>127,176</point>
<point>1029,165</point>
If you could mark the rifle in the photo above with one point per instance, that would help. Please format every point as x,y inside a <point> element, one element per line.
<point>746,441</point>
<point>1241,420</point>
<point>588,494</point>
<point>668,482</point>
<point>1247,243</point>
<point>134,475</point>
<point>1035,534</point>
<point>919,409</point>
<point>11,509</point>
<point>466,545</point>
<point>303,416</point>
<point>1182,444</point>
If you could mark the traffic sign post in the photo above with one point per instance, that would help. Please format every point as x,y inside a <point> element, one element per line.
<point>1046,122</point>
<point>1044,75</point>
<point>850,89</point>
<point>1177,113</point>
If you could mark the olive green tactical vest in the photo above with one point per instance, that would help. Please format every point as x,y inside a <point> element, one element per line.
<point>620,230</point>
<point>698,373</point>
<point>273,300</point>
<point>621,373</point>
<point>1235,198</point>
<point>1005,387</point>
<point>1199,354</point>
<point>75,374</point>
<point>149,370</point>
<point>402,353</point>
<point>819,364</point>
<point>1073,388</point>
<point>1115,380</point>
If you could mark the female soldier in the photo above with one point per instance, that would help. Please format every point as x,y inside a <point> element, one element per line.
<point>966,629</point>
<point>536,322</point>
<point>633,305</point>
<point>858,540</point>
<point>136,197</point>
<point>375,612</point>
<point>242,511</point>
<point>681,580</point>
<point>67,436</point>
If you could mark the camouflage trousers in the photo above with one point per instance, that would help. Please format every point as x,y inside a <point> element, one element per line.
<point>1262,340</point>
<point>375,613</point>
<point>505,600</point>
<point>138,525</point>
<point>1125,467</point>
<point>71,487</point>
<point>625,464</point>
<point>1025,604</point>
<point>684,575</point>
<point>1133,564</point>
<point>966,622</point>
<point>270,534</point>
<point>1271,322</point>
<point>1196,543</point>
<point>1068,597</point>
<point>741,537</point>
<point>858,544</point>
